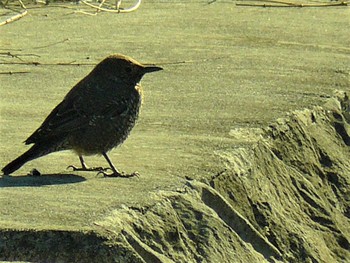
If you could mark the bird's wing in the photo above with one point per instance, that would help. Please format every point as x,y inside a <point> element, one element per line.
<point>76,111</point>
<point>115,109</point>
<point>63,118</point>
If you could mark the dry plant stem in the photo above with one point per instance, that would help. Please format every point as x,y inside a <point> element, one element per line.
<point>117,4</point>
<point>5,3</point>
<point>280,2</point>
<point>290,4</point>
<point>52,6</point>
<point>36,63</point>
<point>100,5</point>
<point>53,44</point>
<point>14,72</point>
<point>74,63</point>
<point>14,18</point>
<point>125,10</point>
<point>22,5</point>
<point>85,13</point>
<point>9,54</point>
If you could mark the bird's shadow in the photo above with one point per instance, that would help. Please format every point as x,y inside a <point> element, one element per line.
<point>42,180</point>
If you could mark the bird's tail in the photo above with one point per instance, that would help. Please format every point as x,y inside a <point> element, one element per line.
<point>34,152</point>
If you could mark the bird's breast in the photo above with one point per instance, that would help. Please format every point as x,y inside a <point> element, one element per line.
<point>139,90</point>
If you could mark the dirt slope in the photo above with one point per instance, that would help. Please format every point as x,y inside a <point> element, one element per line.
<point>283,199</point>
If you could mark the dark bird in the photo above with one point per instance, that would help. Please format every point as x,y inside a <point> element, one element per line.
<point>95,116</point>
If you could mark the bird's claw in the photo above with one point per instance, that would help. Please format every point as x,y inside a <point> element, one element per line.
<point>73,167</point>
<point>88,169</point>
<point>117,174</point>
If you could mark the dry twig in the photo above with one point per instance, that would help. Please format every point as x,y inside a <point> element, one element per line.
<point>13,72</point>
<point>17,16</point>
<point>14,18</point>
<point>36,63</point>
<point>117,10</point>
<point>291,4</point>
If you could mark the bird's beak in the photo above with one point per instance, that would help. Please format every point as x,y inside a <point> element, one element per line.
<point>149,69</point>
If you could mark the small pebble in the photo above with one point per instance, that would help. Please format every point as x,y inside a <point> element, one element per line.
<point>34,172</point>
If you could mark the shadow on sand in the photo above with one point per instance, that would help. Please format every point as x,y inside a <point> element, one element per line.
<point>42,180</point>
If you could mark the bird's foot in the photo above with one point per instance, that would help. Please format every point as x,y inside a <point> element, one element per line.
<point>118,174</point>
<point>88,169</point>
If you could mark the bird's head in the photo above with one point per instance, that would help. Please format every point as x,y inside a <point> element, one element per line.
<point>123,68</point>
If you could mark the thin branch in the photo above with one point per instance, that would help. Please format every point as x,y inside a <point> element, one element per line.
<point>280,2</point>
<point>187,61</point>
<point>74,63</point>
<point>118,10</point>
<point>85,13</point>
<point>4,4</point>
<point>53,44</point>
<point>14,18</point>
<point>9,54</point>
<point>13,72</point>
<point>22,5</point>
<point>290,4</point>
<point>36,63</point>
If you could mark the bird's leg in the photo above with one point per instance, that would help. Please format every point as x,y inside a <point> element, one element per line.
<point>82,161</point>
<point>115,172</point>
<point>84,167</point>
